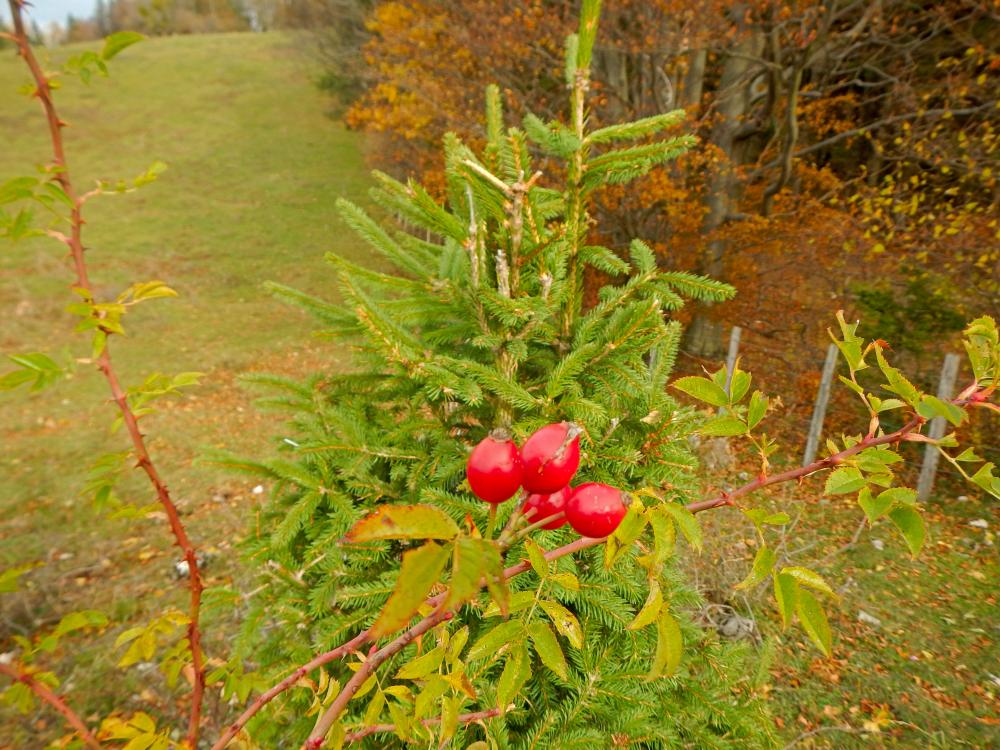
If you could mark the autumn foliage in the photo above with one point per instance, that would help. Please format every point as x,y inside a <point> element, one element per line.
<point>838,141</point>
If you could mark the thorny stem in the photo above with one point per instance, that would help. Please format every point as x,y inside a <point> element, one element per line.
<point>264,698</point>
<point>74,242</point>
<point>386,728</point>
<point>44,693</point>
<point>327,719</point>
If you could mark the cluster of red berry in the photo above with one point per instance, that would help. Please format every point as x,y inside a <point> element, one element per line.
<point>544,466</point>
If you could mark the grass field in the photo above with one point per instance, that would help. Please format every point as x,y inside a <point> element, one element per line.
<point>255,165</point>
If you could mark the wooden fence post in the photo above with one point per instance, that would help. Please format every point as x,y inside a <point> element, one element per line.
<point>946,388</point>
<point>734,350</point>
<point>819,409</point>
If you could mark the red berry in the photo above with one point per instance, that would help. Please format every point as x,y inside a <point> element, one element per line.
<point>539,507</point>
<point>551,457</point>
<point>595,510</point>
<point>494,468</point>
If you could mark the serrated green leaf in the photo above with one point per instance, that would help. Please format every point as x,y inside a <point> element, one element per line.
<point>664,535</point>
<point>493,640</point>
<point>119,41</point>
<point>375,706</point>
<point>814,621</point>
<point>688,524</point>
<point>536,556</point>
<point>874,507</point>
<point>702,389</point>
<point>423,665</point>
<point>739,386</point>
<point>844,480</point>
<point>669,646</point>
<point>9,578</point>
<point>458,640</point>
<point>404,522</point>
<point>628,531</point>
<point>547,647</point>
<point>897,383</point>
<point>931,406</point>
<point>763,564</point>
<point>651,609</point>
<point>889,404</point>
<point>420,570</point>
<point>985,478</point>
<point>518,602</point>
<point>129,635</point>
<point>809,578</point>
<point>565,622</point>
<point>757,409</point>
<point>474,560</point>
<point>899,496</point>
<point>723,426</point>
<point>431,690</point>
<point>968,455</point>
<point>785,593</point>
<point>516,671</point>
<point>89,618</point>
<point>567,580</point>
<point>911,525</point>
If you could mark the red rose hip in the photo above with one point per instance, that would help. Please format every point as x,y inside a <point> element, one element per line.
<point>495,469</point>
<point>595,510</point>
<point>551,457</point>
<point>539,507</point>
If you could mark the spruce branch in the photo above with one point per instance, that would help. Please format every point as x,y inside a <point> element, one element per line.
<point>45,694</point>
<point>74,241</point>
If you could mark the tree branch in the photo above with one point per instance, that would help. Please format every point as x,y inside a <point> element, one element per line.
<point>386,728</point>
<point>940,112</point>
<point>43,93</point>
<point>45,694</point>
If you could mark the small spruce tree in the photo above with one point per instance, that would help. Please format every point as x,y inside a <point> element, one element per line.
<point>483,326</point>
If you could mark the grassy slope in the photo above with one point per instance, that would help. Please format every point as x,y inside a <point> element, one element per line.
<point>255,166</point>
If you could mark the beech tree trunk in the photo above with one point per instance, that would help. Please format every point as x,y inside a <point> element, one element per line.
<point>704,336</point>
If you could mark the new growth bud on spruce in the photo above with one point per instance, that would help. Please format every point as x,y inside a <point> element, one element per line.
<point>595,509</point>
<point>551,457</point>
<point>494,468</point>
<point>539,507</point>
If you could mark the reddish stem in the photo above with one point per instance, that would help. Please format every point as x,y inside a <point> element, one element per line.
<point>327,719</point>
<point>728,498</point>
<point>75,243</point>
<point>44,693</point>
<point>386,728</point>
